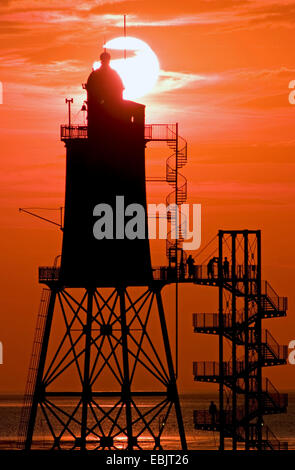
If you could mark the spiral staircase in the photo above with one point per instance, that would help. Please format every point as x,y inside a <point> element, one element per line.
<point>174,200</point>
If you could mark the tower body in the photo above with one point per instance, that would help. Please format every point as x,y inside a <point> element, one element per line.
<point>108,167</point>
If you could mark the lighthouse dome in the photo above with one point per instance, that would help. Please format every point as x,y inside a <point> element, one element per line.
<point>104,84</point>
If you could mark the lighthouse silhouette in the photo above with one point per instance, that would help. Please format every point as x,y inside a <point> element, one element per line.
<point>102,374</point>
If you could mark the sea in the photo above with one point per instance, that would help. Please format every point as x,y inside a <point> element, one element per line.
<point>282,425</point>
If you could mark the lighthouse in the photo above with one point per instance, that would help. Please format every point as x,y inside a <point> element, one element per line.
<point>102,348</point>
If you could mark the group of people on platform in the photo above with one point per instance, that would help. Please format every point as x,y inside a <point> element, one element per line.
<point>211,272</point>
<point>210,267</point>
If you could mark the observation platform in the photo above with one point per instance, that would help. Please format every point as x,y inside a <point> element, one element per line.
<point>272,352</point>
<point>205,422</point>
<point>164,274</point>
<point>273,402</point>
<point>152,132</point>
<point>272,304</point>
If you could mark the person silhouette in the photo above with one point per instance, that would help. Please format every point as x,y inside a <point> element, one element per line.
<point>210,268</point>
<point>182,270</point>
<point>226,268</point>
<point>191,266</point>
<point>213,412</point>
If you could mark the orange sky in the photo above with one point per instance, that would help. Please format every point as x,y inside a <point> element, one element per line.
<point>225,70</point>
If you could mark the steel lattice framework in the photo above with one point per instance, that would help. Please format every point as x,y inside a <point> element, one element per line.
<point>108,382</point>
<point>107,336</point>
<point>245,396</point>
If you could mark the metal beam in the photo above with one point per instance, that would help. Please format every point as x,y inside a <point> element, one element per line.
<point>172,392</point>
<point>221,332</point>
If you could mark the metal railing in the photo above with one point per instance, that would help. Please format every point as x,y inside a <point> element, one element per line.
<point>211,368</point>
<point>48,273</point>
<point>205,418</point>
<point>269,439</point>
<point>203,272</point>
<point>279,303</point>
<point>280,400</point>
<point>272,441</point>
<point>272,398</point>
<point>160,273</point>
<point>279,351</point>
<point>157,132</point>
<point>160,132</point>
<point>73,132</point>
<point>211,320</point>
<point>270,347</point>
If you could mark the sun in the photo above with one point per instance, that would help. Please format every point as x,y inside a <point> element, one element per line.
<point>140,72</point>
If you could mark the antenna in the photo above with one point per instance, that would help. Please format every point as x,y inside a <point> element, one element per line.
<point>69,101</point>
<point>125,54</point>
<point>29,209</point>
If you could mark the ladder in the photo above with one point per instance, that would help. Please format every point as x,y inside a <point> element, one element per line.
<point>33,369</point>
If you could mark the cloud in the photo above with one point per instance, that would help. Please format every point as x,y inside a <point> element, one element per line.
<point>232,14</point>
<point>256,88</point>
<point>25,5</point>
<point>53,73</point>
<point>16,69</point>
<point>169,81</point>
<point>174,8</point>
<point>276,193</point>
<point>39,17</point>
<point>268,102</point>
<point>114,20</point>
<point>256,15</point>
<point>274,13</point>
<point>186,20</point>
